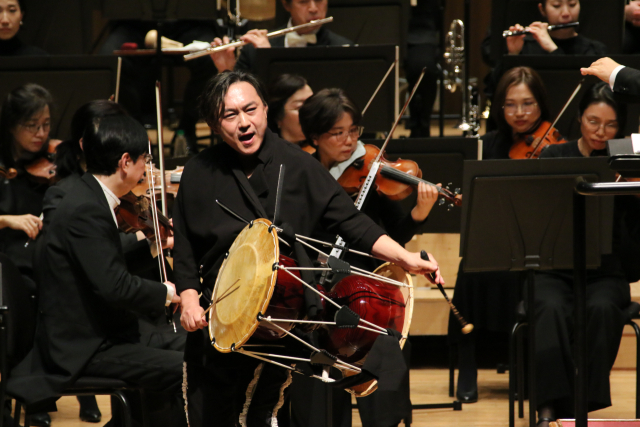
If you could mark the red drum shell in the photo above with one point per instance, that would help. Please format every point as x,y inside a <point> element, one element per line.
<point>375,301</point>
<point>287,302</point>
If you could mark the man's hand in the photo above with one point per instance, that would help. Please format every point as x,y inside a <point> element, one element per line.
<point>632,13</point>
<point>191,313</point>
<point>540,32</point>
<point>28,223</point>
<point>602,69</point>
<point>258,38</point>
<point>389,250</point>
<point>515,43</point>
<point>224,60</point>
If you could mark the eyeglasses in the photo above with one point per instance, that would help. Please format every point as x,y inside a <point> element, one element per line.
<point>148,158</point>
<point>354,133</point>
<point>34,128</point>
<point>527,108</point>
<point>594,125</point>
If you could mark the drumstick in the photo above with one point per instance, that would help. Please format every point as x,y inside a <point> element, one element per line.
<point>466,327</point>
<point>223,296</point>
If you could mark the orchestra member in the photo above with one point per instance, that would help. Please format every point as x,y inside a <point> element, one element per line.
<point>330,120</point>
<point>564,41</point>
<point>286,95</point>
<point>622,80</point>
<point>601,118</point>
<point>12,14</point>
<point>80,261</point>
<point>488,299</point>
<point>302,12</point>
<point>243,174</point>
<point>631,41</point>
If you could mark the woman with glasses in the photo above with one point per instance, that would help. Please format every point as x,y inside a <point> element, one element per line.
<point>601,118</point>
<point>286,95</point>
<point>330,122</point>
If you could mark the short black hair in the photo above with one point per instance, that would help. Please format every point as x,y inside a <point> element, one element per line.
<point>601,92</point>
<point>211,101</point>
<point>280,90</point>
<point>108,138</point>
<point>322,110</point>
<point>18,107</point>
<point>69,154</point>
<point>514,77</point>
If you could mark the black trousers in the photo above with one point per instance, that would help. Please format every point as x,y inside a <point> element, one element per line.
<point>231,389</point>
<point>158,372</point>
<point>607,296</point>
<point>421,106</point>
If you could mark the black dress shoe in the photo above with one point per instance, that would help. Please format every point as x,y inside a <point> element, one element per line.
<point>41,419</point>
<point>467,397</point>
<point>89,411</point>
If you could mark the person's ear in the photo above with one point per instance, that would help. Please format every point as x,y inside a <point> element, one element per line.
<point>125,162</point>
<point>266,110</point>
<point>80,143</point>
<point>286,6</point>
<point>314,141</point>
<point>543,12</point>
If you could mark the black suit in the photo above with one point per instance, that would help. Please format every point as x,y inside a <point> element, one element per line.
<point>87,298</point>
<point>628,83</point>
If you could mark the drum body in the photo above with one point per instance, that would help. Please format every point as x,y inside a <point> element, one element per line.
<point>246,286</point>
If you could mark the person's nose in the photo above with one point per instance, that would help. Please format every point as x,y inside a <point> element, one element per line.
<point>41,132</point>
<point>313,7</point>
<point>243,121</point>
<point>4,18</point>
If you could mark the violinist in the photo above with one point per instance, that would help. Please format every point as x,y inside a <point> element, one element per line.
<point>601,118</point>
<point>286,95</point>
<point>87,298</point>
<point>242,173</point>
<point>565,41</point>
<point>330,121</point>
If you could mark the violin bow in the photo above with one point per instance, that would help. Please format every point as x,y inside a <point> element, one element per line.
<point>364,110</point>
<point>566,105</point>
<point>163,184</point>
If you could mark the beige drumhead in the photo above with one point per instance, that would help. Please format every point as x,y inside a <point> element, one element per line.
<point>244,286</point>
<point>395,272</point>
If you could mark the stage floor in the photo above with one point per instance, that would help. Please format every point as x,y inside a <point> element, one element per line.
<point>431,386</point>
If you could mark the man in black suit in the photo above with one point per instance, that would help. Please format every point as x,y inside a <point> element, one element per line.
<point>86,325</point>
<point>302,12</point>
<point>623,80</point>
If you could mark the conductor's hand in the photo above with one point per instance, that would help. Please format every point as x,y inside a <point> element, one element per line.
<point>191,313</point>
<point>28,223</point>
<point>225,59</point>
<point>515,43</point>
<point>602,69</point>
<point>632,13</point>
<point>258,38</point>
<point>427,197</point>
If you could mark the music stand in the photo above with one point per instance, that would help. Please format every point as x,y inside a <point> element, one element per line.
<point>356,69</point>
<point>71,80</point>
<point>518,216</point>
<point>441,161</point>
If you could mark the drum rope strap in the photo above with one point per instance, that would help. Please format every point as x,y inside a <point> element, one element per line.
<point>274,416</point>
<point>249,394</point>
<point>185,386</point>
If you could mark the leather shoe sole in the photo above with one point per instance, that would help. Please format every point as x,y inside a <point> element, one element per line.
<point>40,420</point>
<point>90,415</point>
<point>469,397</point>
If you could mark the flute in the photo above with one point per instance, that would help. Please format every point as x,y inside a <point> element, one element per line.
<point>238,43</point>
<point>508,33</point>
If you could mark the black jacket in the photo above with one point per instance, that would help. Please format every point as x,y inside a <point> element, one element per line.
<point>628,83</point>
<point>86,294</point>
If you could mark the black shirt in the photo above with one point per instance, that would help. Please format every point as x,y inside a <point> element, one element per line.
<point>15,47</point>
<point>496,145</point>
<point>578,45</point>
<point>312,200</point>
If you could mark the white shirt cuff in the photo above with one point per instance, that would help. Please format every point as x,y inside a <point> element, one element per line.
<point>170,294</point>
<point>614,74</point>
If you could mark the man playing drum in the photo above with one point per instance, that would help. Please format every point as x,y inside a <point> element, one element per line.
<point>233,389</point>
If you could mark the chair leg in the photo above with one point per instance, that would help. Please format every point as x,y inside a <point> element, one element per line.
<point>521,369</point>
<point>636,329</point>
<point>126,409</point>
<point>512,373</point>
<point>16,416</point>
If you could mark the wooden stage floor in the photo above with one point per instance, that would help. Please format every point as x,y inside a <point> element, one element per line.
<point>431,386</point>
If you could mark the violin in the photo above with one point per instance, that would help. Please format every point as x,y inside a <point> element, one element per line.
<point>529,146</point>
<point>43,169</point>
<point>394,180</point>
<point>134,214</point>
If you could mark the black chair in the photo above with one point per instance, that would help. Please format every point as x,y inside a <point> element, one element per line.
<point>517,364</point>
<point>17,329</point>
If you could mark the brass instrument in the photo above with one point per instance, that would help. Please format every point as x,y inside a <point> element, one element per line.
<point>238,43</point>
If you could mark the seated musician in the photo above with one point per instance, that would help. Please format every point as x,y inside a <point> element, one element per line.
<point>564,41</point>
<point>601,118</point>
<point>243,174</point>
<point>488,299</point>
<point>12,13</point>
<point>302,12</point>
<point>94,332</point>
<point>330,121</point>
<point>287,93</point>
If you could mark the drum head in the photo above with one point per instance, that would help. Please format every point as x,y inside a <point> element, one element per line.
<point>244,286</point>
